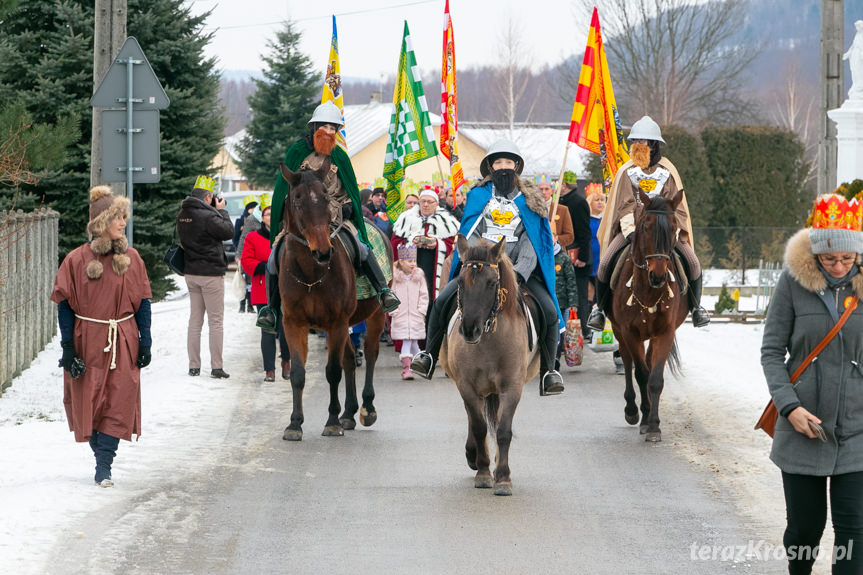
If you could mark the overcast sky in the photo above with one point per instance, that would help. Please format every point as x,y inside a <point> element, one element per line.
<point>370,32</point>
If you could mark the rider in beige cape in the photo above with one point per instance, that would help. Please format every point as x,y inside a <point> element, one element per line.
<point>650,172</point>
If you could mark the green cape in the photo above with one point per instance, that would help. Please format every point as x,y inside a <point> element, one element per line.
<point>293,158</point>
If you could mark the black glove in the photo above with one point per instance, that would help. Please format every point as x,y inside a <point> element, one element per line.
<point>347,211</point>
<point>70,360</point>
<point>144,356</point>
<point>261,268</point>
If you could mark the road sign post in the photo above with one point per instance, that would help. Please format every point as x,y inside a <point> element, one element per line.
<point>131,89</point>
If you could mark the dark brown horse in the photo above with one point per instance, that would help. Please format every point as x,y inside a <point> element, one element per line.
<point>488,356</point>
<point>318,286</point>
<point>647,306</point>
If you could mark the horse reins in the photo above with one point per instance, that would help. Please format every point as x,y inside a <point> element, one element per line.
<point>644,266</point>
<point>500,297</point>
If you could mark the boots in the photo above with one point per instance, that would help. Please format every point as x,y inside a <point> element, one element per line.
<point>270,314</point>
<point>406,367</point>
<point>700,317</point>
<point>596,321</point>
<point>243,305</point>
<point>104,448</point>
<point>550,381</point>
<point>370,268</point>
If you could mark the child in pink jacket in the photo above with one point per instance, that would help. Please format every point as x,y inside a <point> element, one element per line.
<point>408,320</point>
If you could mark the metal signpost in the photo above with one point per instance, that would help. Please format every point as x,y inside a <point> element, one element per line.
<point>134,95</point>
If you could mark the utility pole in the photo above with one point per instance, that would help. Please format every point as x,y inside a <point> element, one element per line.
<point>832,85</point>
<point>109,36</point>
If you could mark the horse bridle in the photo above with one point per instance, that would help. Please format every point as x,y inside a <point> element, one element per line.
<point>500,297</point>
<point>667,256</point>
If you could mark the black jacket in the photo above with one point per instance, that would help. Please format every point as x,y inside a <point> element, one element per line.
<point>579,211</point>
<point>202,229</point>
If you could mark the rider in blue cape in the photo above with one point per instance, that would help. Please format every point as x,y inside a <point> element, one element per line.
<point>503,207</point>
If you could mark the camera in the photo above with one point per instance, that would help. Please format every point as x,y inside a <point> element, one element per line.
<point>215,198</point>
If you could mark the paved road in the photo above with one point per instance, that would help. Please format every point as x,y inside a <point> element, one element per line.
<point>589,495</point>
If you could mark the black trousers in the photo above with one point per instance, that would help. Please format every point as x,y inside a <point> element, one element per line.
<point>806,511</point>
<point>268,346</point>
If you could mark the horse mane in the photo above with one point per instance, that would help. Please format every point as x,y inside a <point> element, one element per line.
<point>482,252</point>
<point>662,237</point>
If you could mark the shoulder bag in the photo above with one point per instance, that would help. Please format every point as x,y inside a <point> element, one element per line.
<point>767,421</point>
<point>175,257</point>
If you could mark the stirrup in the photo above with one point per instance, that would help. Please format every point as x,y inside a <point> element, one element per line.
<point>596,321</point>
<point>700,317</point>
<point>423,365</point>
<point>267,320</point>
<point>551,384</point>
<point>389,300</point>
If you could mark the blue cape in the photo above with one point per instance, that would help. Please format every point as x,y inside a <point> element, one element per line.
<point>536,227</point>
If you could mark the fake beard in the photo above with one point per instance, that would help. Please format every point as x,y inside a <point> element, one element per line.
<point>324,142</point>
<point>504,180</point>
<point>640,155</point>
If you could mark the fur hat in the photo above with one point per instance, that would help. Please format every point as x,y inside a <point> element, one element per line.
<point>105,208</point>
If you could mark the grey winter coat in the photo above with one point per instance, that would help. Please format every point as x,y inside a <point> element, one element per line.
<point>832,386</point>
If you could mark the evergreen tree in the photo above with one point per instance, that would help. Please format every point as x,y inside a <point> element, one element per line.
<point>685,151</point>
<point>281,108</point>
<point>46,60</point>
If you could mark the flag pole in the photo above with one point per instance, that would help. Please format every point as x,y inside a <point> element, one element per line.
<point>556,199</point>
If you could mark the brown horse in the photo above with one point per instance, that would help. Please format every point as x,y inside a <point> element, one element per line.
<point>647,306</point>
<point>488,356</point>
<point>317,282</point>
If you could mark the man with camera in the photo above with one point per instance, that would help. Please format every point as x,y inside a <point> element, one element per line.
<point>203,224</point>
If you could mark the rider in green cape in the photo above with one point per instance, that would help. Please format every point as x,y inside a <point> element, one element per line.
<point>310,152</point>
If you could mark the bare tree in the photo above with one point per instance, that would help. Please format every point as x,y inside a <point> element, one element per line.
<point>794,105</point>
<point>513,75</point>
<point>674,59</point>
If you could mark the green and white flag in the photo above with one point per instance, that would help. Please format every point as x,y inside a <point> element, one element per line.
<point>411,138</point>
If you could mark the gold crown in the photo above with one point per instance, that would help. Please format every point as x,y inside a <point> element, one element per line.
<point>834,212</point>
<point>205,183</point>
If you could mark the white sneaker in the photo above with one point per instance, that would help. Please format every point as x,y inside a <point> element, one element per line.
<point>107,482</point>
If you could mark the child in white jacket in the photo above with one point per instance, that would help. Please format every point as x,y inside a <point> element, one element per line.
<point>408,320</point>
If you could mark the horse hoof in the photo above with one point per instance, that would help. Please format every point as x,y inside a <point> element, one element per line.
<point>348,423</point>
<point>333,431</point>
<point>503,488</point>
<point>368,418</point>
<point>483,481</point>
<point>642,429</point>
<point>293,434</point>
<point>631,419</point>
<point>653,437</point>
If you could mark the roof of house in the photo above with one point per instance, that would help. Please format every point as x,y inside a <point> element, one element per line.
<point>542,148</point>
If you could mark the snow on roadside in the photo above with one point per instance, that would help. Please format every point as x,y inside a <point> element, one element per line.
<point>46,479</point>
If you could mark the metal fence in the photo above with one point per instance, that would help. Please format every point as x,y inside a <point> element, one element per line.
<point>28,265</point>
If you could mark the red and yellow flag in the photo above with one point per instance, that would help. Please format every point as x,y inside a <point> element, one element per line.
<point>595,120</point>
<point>449,104</point>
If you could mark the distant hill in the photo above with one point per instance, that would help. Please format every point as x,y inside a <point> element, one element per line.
<point>787,30</point>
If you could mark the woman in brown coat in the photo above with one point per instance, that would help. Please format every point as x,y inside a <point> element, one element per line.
<point>103,295</point>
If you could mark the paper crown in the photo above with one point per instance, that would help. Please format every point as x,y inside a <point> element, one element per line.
<point>569,177</point>
<point>591,189</point>
<point>541,179</point>
<point>834,212</point>
<point>380,183</point>
<point>205,183</point>
<point>407,252</point>
<point>265,201</point>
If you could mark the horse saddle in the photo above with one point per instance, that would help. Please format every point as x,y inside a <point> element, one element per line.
<point>681,275</point>
<point>532,311</point>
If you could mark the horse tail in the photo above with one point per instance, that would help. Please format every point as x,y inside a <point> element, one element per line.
<point>673,360</point>
<point>491,408</point>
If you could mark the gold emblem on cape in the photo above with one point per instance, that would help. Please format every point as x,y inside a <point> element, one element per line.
<point>647,185</point>
<point>502,218</point>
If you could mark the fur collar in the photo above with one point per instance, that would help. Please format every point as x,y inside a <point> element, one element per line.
<point>101,246</point>
<point>533,197</point>
<point>803,267</point>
